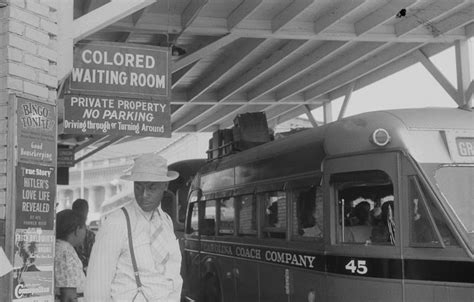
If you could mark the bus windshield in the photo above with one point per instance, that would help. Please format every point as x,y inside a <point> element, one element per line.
<point>456,183</point>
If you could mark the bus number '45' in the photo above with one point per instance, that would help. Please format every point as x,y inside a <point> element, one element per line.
<point>357,266</point>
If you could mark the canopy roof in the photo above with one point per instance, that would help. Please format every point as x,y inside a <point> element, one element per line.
<point>284,57</point>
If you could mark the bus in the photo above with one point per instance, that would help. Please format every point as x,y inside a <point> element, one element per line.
<point>374,207</point>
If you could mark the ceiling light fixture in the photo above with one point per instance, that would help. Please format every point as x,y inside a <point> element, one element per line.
<point>177,51</point>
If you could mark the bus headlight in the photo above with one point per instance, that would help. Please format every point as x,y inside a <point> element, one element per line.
<point>380,137</point>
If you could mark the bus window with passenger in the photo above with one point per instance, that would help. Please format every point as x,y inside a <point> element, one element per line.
<point>359,209</point>
<point>274,204</point>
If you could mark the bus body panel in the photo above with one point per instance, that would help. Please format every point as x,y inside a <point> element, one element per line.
<point>260,260</point>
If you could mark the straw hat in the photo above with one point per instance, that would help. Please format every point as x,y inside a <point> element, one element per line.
<point>150,167</point>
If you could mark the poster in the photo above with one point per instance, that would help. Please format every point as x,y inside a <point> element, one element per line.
<point>36,131</point>
<point>33,265</point>
<point>35,195</point>
<point>116,116</point>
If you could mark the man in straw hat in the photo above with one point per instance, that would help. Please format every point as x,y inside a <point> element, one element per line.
<point>157,257</point>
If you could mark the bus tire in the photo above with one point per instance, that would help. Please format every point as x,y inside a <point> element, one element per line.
<point>211,291</point>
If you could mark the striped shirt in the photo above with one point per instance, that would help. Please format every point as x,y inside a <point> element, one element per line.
<point>110,273</point>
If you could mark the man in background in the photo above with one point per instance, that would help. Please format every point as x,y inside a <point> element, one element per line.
<point>81,206</point>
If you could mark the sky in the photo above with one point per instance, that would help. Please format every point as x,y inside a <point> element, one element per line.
<point>412,87</point>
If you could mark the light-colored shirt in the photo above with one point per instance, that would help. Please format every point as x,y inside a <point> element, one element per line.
<point>68,270</point>
<point>5,265</point>
<point>110,274</point>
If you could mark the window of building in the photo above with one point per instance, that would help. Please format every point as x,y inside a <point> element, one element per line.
<point>227,216</point>
<point>308,213</point>
<point>365,207</point>
<point>247,208</point>
<point>274,222</point>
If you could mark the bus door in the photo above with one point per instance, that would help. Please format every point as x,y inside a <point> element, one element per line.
<point>190,268</point>
<point>217,262</point>
<point>363,260</point>
<point>436,266</point>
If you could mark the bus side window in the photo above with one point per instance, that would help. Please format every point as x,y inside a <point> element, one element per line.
<point>274,213</point>
<point>422,230</point>
<point>227,216</point>
<point>308,213</point>
<point>247,215</point>
<point>208,224</point>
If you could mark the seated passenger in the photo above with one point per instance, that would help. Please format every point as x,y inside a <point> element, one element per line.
<point>383,230</point>
<point>362,231</point>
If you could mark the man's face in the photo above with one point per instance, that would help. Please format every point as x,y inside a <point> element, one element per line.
<point>149,194</point>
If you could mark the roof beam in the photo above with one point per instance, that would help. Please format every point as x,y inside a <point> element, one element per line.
<point>289,13</point>
<point>347,98</point>
<point>224,66</point>
<point>370,64</point>
<point>104,16</point>
<point>177,76</point>
<point>389,69</point>
<point>381,15</point>
<point>191,12</point>
<point>299,66</point>
<point>470,92</point>
<point>350,57</point>
<point>264,67</point>
<point>444,26</point>
<point>283,113</point>
<point>335,14</point>
<point>305,31</point>
<point>309,114</point>
<point>436,73</point>
<point>204,51</point>
<point>424,17</point>
<point>246,8</point>
<point>223,116</point>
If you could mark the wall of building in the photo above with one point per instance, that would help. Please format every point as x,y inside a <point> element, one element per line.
<point>28,67</point>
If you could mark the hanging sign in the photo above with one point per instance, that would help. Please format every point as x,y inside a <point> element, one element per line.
<point>120,69</point>
<point>116,116</point>
<point>36,132</point>
<point>65,156</point>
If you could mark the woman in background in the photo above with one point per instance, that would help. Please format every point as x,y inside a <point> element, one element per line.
<point>69,276</point>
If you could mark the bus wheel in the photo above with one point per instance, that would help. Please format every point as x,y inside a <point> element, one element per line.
<point>211,291</point>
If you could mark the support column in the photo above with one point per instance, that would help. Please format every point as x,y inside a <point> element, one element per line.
<point>327,107</point>
<point>463,71</point>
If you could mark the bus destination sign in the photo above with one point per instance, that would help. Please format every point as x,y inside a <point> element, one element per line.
<point>465,146</point>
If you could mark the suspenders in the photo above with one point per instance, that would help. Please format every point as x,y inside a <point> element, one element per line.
<point>132,254</point>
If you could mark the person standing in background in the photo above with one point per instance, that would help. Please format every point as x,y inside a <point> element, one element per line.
<point>150,270</point>
<point>84,251</point>
<point>69,277</point>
